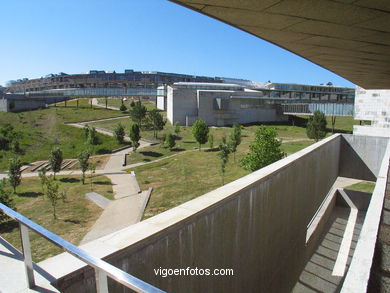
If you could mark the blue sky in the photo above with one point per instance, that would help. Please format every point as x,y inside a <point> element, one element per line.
<point>38,37</point>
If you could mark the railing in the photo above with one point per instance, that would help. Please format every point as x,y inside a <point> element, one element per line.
<point>102,268</point>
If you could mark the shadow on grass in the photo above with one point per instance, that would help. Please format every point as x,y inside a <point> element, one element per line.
<point>146,160</point>
<point>102,183</point>
<point>178,150</point>
<point>30,194</point>
<point>72,221</point>
<point>103,151</point>
<point>189,141</point>
<point>151,154</point>
<point>216,149</point>
<point>8,226</point>
<point>329,130</point>
<point>69,180</point>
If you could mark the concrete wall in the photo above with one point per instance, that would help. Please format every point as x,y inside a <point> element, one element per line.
<point>17,105</point>
<point>361,156</point>
<point>373,105</point>
<point>255,225</point>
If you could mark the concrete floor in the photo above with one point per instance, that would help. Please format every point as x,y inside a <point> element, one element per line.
<point>317,274</point>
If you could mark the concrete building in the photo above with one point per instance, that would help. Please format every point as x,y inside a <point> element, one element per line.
<point>374,106</point>
<point>288,227</point>
<point>17,103</point>
<point>100,79</point>
<point>221,104</point>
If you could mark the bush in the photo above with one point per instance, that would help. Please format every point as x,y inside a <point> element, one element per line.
<point>263,151</point>
<point>200,131</point>
<point>123,108</point>
<point>170,141</point>
<point>5,199</point>
<point>119,133</point>
<point>316,126</point>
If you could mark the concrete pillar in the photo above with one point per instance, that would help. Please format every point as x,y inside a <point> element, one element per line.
<point>106,103</point>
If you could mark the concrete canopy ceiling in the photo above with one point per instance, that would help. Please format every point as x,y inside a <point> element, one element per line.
<point>348,37</point>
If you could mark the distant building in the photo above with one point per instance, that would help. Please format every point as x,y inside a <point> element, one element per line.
<point>18,103</point>
<point>225,104</point>
<point>100,79</point>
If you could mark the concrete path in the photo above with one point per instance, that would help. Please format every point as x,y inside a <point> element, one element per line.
<point>98,199</point>
<point>96,103</point>
<point>120,214</point>
<point>12,272</point>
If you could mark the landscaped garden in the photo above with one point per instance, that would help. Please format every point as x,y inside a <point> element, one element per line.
<point>41,130</point>
<point>75,214</point>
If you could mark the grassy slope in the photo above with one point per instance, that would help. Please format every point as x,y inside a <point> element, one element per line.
<point>75,217</point>
<point>191,174</point>
<point>362,186</point>
<point>43,128</point>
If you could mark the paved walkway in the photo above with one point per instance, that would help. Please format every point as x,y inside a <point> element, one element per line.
<point>12,272</point>
<point>119,214</point>
<point>96,103</point>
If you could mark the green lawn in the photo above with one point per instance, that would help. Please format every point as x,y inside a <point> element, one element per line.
<point>362,186</point>
<point>44,129</point>
<point>75,216</point>
<point>118,102</point>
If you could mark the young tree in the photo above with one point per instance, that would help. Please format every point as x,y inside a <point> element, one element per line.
<point>92,137</point>
<point>123,108</point>
<point>170,141</point>
<point>83,160</point>
<point>119,133</point>
<point>55,160</point>
<point>14,172</point>
<point>5,199</point>
<point>235,140</point>
<point>52,193</point>
<point>224,151</point>
<point>42,177</point>
<point>200,131</point>
<point>211,140</point>
<point>316,126</point>
<point>263,151</point>
<point>132,104</point>
<point>333,121</point>
<point>138,113</point>
<point>177,128</point>
<point>156,120</point>
<point>134,136</point>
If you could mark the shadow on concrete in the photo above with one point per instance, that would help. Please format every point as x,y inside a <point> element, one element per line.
<point>351,163</point>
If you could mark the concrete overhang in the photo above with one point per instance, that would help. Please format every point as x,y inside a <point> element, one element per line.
<point>348,37</point>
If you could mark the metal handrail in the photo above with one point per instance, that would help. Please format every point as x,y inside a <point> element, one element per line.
<point>102,268</point>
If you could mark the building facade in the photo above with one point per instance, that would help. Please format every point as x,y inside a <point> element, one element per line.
<point>222,104</point>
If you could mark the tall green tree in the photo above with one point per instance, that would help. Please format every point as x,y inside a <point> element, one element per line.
<point>14,172</point>
<point>157,121</point>
<point>138,113</point>
<point>52,194</point>
<point>83,158</point>
<point>5,199</point>
<point>224,151</point>
<point>170,141</point>
<point>55,160</point>
<point>316,126</point>
<point>119,133</point>
<point>134,135</point>
<point>235,140</point>
<point>263,151</point>
<point>200,131</point>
